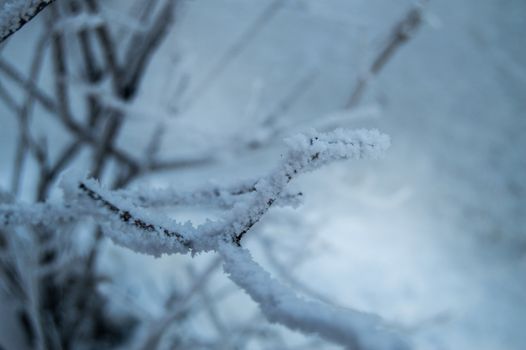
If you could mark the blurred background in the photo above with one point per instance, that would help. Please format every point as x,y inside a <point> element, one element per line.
<point>431,237</point>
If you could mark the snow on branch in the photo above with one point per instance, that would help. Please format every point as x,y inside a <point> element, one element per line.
<point>14,14</point>
<point>306,152</point>
<point>142,230</point>
<point>350,328</point>
<point>212,195</point>
<point>17,214</point>
<point>138,229</point>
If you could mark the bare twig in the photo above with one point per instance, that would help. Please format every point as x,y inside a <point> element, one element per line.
<point>108,46</point>
<point>141,48</point>
<point>65,157</point>
<point>177,306</point>
<point>234,51</point>
<point>10,71</point>
<point>8,99</point>
<point>402,32</point>
<point>107,140</point>
<point>23,115</point>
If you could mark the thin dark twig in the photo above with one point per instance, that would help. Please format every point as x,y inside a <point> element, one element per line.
<point>10,71</point>
<point>92,72</point>
<point>106,142</point>
<point>69,123</point>
<point>60,73</point>
<point>8,99</point>
<point>402,32</point>
<point>142,46</point>
<point>66,156</point>
<point>23,115</point>
<point>12,282</point>
<point>284,105</point>
<point>86,136</point>
<point>235,50</point>
<point>108,46</point>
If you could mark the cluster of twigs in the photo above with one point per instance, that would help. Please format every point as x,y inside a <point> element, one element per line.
<point>119,62</point>
<point>103,60</point>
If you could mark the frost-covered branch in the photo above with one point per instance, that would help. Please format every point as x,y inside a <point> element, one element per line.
<point>14,14</point>
<point>351,328</point>
<point>306,153</point>
<point>142,230</point>
<point>213,196</point>
<point>154,234</point>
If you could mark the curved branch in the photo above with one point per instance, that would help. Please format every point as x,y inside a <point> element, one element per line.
<point>350,328</point>
<point>140,230</point>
